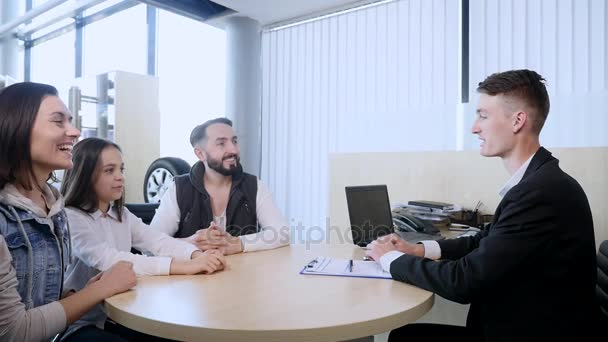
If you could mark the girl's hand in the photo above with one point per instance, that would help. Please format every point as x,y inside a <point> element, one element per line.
<point>206,263</point>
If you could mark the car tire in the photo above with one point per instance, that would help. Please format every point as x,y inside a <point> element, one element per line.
<point>160,176</point>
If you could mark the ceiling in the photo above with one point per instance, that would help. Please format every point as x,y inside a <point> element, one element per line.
<point>268,12</point>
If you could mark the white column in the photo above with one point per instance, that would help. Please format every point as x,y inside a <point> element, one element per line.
<point>244,87</point>
<point>9,56</point>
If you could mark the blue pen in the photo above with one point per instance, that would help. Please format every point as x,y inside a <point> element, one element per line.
<point>350,265</point>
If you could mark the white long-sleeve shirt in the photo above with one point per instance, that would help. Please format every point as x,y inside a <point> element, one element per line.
<point>274,229</point>
<point>99,241</point>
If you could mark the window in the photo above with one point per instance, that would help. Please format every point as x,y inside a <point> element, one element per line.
<point>192,74</point>
<point>118,42</point>
<point>20,63</point>
<point>53,63</point>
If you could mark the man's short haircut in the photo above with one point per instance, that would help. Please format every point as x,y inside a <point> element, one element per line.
<point>199,133</point>
<point>524,85</point>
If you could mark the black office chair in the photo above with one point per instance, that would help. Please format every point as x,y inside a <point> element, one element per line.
<point>602,279</point>
<point>145,211</point>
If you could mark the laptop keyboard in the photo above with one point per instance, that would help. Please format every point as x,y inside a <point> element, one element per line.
<point>415,237</point>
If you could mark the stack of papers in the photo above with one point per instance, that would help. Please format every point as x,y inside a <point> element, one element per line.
<point>431,205</point>
<point>344,268</point>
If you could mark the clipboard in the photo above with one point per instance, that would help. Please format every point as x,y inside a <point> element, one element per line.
<point>325,266</point>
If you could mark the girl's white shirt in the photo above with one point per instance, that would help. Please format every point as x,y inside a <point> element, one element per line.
<point>99,240</point>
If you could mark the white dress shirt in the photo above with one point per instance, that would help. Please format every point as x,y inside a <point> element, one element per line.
<point>274,229</point>
<point>99,241</point>
<point>432,250</point>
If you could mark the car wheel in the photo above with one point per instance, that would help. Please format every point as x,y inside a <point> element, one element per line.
<point>159,177</point>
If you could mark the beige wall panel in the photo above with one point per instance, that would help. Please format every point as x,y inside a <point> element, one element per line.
<point>137,127</point>
<point>462,177</point>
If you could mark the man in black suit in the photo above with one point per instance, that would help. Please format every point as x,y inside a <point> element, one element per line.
<point>531,275</point>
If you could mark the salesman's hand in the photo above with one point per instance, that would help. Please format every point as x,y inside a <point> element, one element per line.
<point>378,248</point>
<point>208,238</point>
<point>404,246</point>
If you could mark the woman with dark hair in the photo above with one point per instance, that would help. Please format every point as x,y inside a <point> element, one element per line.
<point>36,138</point>
<point>104,231</point>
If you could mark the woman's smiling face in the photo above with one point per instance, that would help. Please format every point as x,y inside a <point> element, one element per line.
<point>53,137</point>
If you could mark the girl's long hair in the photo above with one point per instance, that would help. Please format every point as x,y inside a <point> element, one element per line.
<point>78,182</point>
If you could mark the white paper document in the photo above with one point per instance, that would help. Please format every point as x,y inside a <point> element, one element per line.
<point>345,268</point>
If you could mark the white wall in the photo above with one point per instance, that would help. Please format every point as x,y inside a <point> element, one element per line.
<point>386,78</point>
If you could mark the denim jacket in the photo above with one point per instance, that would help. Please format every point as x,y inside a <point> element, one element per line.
<point>39,244</point>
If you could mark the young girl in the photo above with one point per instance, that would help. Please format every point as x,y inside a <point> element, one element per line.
<point>36,138</point>
<point>104,231</point>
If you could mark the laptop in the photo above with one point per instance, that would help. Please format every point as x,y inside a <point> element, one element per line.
<point>369,212</point>
<point>370,216</point>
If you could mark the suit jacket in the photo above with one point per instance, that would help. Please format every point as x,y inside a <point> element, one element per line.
<point>531,275</point>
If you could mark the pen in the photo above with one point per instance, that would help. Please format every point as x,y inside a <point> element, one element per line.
<point>350,265</point>
<point>312,263</point>
<point>458,229</point>
<point>467,229</point>
<point>478,205</point>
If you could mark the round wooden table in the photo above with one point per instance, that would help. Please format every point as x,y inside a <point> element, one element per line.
<point>262,297</point>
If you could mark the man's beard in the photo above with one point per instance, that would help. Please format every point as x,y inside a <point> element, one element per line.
<point>218,165</point>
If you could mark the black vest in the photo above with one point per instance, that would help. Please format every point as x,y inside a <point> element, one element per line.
<point>195,205</point>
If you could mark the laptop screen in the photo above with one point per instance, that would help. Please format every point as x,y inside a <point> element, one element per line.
<point>369,212</point>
